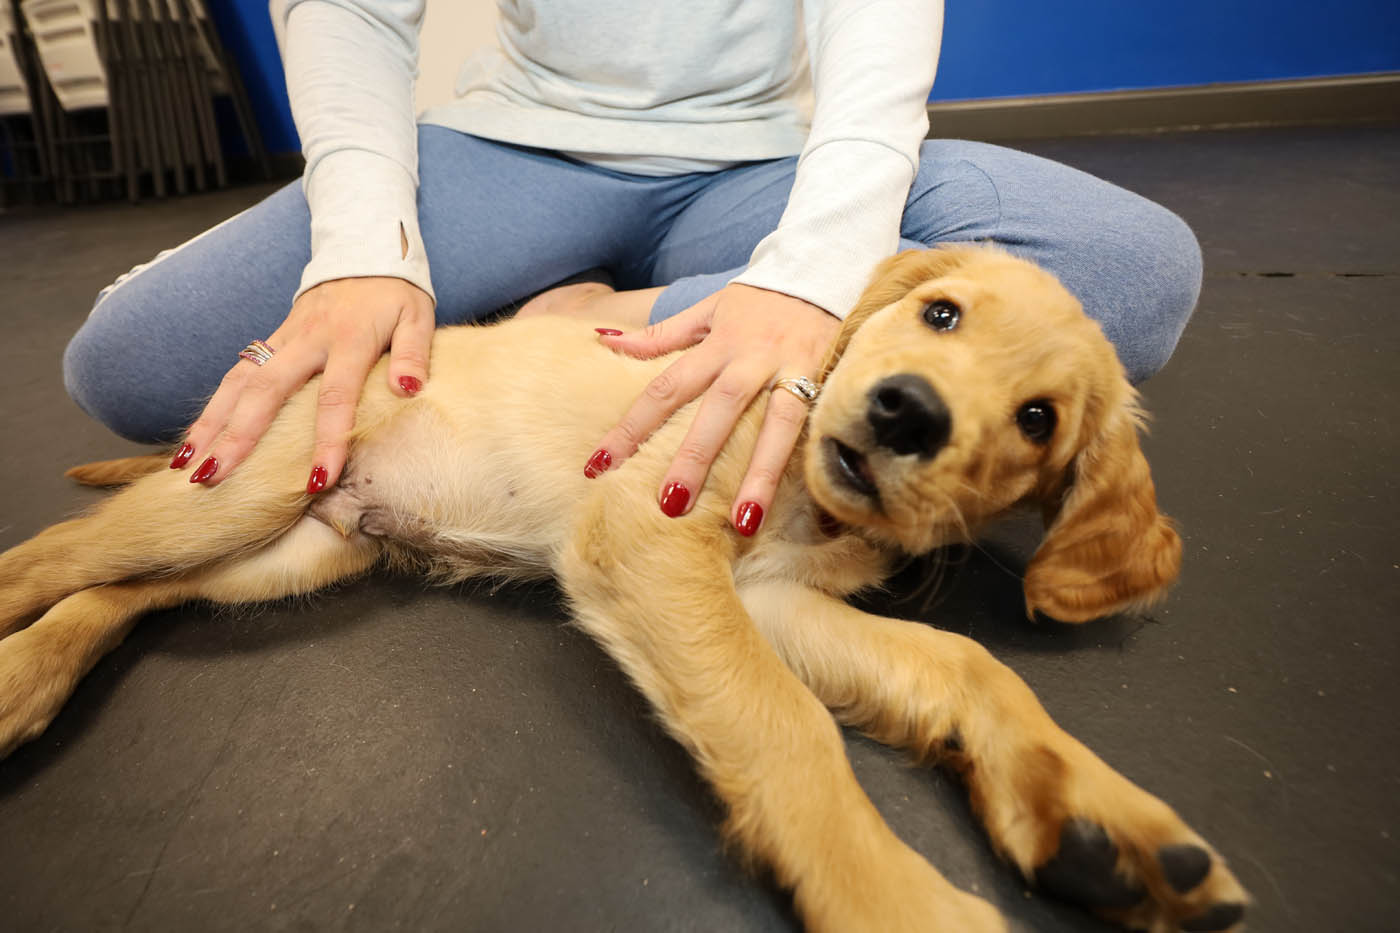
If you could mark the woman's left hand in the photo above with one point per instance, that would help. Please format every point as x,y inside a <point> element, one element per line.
<point>742,340</point>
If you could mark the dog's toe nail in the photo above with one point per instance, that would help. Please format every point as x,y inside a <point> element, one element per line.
<point>1220,917</point>
<point>1184,866</point>
<point>1084,869</point>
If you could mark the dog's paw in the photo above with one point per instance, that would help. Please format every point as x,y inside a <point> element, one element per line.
<point>1083,833</point>
<point>32,689</point>
<point>1155,877</point>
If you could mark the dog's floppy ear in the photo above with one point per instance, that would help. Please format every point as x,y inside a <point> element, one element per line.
<point>892,280</point>
<point>1107,548</point>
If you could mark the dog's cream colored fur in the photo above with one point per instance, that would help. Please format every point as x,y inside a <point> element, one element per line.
<point>744,646</point>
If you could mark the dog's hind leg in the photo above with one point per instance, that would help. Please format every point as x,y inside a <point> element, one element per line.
<point>41,665</point>
<point>658,594</point>
<point>160,524</point>
<point>1068,821</point>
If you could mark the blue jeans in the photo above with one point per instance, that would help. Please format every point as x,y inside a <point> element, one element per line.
<point>501,222</point>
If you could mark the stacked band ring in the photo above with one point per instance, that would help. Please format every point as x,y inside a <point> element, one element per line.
<point>800,386</point>
<point>256,353</point>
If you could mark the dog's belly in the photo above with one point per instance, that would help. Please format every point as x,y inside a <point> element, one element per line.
<point>480,473</point>
<point>459,508</point>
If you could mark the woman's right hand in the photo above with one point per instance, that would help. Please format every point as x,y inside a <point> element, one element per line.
<point>339,328</point>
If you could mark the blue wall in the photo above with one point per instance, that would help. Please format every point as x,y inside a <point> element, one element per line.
<point>246,31</point>
<point>1012,48</point>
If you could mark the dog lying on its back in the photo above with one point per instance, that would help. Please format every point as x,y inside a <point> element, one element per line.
<point>964,382</point>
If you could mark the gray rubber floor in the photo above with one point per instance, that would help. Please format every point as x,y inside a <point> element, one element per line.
<point>391,757</point>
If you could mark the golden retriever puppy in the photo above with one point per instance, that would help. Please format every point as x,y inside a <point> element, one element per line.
<point>965,382</point>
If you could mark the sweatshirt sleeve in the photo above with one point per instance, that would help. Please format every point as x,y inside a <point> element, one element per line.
<point>350,69</point>
<point>873,63</point>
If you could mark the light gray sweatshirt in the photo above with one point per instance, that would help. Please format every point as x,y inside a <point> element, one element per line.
<point>647,86</point>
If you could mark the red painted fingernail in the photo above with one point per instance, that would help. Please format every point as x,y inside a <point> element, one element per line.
<point>206,469</point>
<point>674,499</point>
<point>608,331</point>
<point>182,456</point>
<point>317,482</point>
<point>410,385</point>
<point>750,517</point>
<point>597,464</point>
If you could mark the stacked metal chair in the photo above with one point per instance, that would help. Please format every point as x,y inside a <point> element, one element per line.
<point>122,92</point>
<point>25,160</point>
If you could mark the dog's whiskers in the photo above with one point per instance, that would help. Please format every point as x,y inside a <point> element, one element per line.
<point>956,512</point>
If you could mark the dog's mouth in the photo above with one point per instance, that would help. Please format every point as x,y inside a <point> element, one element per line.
<point>849,468</point>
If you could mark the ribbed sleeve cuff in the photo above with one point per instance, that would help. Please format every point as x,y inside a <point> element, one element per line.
<point>842,218</point>
<point>363,209</point>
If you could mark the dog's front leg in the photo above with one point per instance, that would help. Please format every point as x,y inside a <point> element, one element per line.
<point>658,594</point>
<point>1066,819</point>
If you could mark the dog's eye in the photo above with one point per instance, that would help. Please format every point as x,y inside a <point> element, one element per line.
<point>1036,419</point>
<point>942,314</point>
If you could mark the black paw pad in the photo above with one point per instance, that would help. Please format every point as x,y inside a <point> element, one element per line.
<point>1082,871</point>
<point>1184,866</point>
<point>1219,917</point>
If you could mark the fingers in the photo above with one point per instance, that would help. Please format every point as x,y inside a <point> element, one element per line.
<point>240,411</point>
<point>409,347</point>
<point>336,401</point>
<point>747,337</point>
<point>341,326</point>
<point>677,332</point>
<point>720,408</point>
<point>677,385</point>
<point>782,426</point>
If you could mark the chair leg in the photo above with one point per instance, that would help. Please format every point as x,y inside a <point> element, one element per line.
<point>182,79</point>
<point>243,109</point>
<point>137,64</point>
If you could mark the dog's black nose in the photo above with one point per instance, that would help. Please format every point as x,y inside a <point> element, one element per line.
<point>909,416</point>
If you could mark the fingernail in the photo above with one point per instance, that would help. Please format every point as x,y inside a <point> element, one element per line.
<point>206,469</point>
<point>608,331</point>
<point>598,463</point>
<point>317,482</point>
<point>674,499</point>
<point>182,456</point>
<point>410,385</point>
<point>750,517</point>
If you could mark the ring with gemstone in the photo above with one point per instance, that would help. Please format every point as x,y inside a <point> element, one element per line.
<point>800,386</point>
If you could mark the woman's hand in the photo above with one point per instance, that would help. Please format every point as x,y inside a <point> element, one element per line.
<point>339,328</point>
<point>743,339</point>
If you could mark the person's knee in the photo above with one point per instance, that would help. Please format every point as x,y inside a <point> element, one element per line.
<point>103,374</point>
<point>1168,293</point>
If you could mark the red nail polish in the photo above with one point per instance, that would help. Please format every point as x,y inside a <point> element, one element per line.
<point>750,517</point>
<point>206,470</point>
<point>182,456</point>
<point>674,499</point>
<point>597,464</point>
<point>317,482</point>
<point>410,385</point>
<point>608,331</point>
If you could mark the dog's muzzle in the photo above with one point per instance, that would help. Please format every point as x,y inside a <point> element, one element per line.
<point>908,416</point>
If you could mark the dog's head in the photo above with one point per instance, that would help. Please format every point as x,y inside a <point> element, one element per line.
<point>966,381</point>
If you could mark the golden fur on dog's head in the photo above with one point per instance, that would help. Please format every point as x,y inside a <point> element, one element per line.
<point>1016,395</point>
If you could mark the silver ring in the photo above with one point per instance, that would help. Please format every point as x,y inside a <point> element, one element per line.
<point>800,386</point>
<point>256,353</point>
